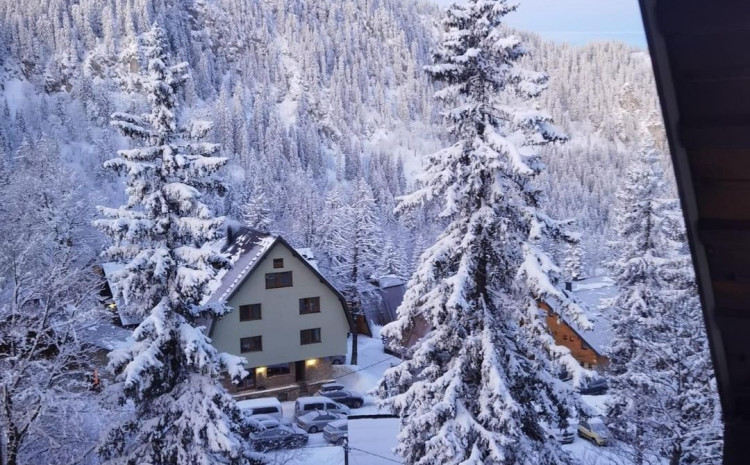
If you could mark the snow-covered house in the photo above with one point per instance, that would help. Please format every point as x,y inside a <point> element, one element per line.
<point>391,290</point>
<point>288,321</point>
<point>585,348</point>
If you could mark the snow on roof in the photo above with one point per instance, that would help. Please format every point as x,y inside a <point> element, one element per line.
<point>244,253</point>
<point>590,293</point>
<point>309,256</point>
<point>106,335</point>
<point>390,281</point>
<point>126,318</point>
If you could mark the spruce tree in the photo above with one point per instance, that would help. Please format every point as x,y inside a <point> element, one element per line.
<point>478,384</point>
<point>664,401</point>
<point>171,372</point>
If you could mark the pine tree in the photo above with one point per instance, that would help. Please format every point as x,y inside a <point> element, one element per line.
<point>170,374</point>
<point>479,382</point>
<point>256,213</point>
<point>573,265</point>
<point>664,401</point>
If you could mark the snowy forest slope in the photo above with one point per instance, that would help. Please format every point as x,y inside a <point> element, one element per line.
<point>312,102</point>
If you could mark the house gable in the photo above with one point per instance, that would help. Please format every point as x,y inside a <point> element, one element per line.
<point>280,320</point>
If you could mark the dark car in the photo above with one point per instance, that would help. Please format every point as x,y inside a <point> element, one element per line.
<point>330,387</point>
<point>346,397</point>
<point>280,437</point>
<point>595,387</point>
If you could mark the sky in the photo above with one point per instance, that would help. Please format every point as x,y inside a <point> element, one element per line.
<point>579,21</point>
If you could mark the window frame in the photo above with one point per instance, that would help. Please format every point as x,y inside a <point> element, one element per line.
<point>278,263</point>
<point>250,308</point>
<point>249,339</point>
<point>304,305</point>
<point>277,280</point>
<point>271,370</point>
<point>311,339</point>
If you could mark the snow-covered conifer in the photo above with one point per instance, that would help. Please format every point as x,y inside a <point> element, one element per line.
<point>664,401</point>
<point>477,385</point>
<point>256,212</point>
<point>170,374</point>
<point>573,264</point>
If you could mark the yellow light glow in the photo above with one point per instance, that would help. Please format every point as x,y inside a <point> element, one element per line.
<point>260,371</point>
<point>312,362</point>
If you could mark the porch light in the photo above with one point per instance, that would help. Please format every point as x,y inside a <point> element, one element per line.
<point>311,362</point>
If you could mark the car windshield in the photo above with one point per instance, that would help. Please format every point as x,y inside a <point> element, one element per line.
<point>598,427</point>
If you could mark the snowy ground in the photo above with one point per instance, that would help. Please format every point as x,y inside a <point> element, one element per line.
<point>372,440</point>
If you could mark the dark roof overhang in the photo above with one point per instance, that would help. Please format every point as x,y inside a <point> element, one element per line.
<point>701,60</point>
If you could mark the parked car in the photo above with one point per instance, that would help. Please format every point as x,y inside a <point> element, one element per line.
<point>279,438</point>
<point>330,387</point>
<point>267,421</point>
<point>309,404</point>
<point>313,422</point>
<point>337,359</point>
<point>594,430</point>
<point>346,397</point>
<point>561,435</point>
<point>336,432</point>
<point>595,387</point>
<point>262,406</point>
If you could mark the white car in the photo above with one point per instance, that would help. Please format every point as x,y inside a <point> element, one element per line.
<point>561,435</point>
<point>313,422</point>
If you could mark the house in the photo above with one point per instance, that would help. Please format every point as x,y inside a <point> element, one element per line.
<point>588,347</point>
<point>287,320</point>
<point>391,290</point>
<point>587,350</point>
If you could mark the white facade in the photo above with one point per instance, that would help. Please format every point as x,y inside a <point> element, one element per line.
<point>281,322</point>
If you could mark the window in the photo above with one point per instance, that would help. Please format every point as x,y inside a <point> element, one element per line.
<point>250,312</point>
<point>309,336</point>
<point>282,279</point>
<point>278,263</point>
<point>251,344</point>
<point>248,381</point>
<point>278,370</point>
<point>309,305</point>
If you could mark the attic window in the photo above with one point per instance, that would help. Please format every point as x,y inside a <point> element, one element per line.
<point>275,280</point>
<point>278,263</point>
<point>309,305</point>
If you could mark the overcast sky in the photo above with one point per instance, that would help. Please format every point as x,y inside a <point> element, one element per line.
<point>579,21</point>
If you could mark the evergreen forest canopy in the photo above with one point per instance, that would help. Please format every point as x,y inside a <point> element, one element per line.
<point>307,99</point>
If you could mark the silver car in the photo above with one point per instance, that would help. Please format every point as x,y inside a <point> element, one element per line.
<point>315,421</point>
<point>336,432</point>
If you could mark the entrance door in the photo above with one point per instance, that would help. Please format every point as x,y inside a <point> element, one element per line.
<point>299,370</point>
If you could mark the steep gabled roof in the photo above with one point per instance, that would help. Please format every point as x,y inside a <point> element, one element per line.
<point>246,248</point>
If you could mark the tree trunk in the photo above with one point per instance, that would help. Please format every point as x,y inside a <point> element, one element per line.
<point>354,341</point>
<point>676,456</point>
